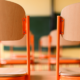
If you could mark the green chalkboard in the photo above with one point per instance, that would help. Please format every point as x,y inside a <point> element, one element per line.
<point>39,26</point>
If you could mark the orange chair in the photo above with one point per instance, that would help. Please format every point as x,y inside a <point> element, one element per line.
<point>45,41</point>
<point>68,25</point>
<point>13,26</point>
<point>63,42</point>
<point>51,41</point>
<point>20,43</point>
<point>19,59</point>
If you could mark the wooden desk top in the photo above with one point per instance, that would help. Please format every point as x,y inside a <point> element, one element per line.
<point>43,75</point>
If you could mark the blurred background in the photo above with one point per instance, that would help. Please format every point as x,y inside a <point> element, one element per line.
<point>43,20</point>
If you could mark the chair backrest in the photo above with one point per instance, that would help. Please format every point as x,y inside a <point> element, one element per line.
<point>71,16</point>
<point>11,15</point>
<point>63,42</point>
<point>44,41</point>
<point>17,43</point>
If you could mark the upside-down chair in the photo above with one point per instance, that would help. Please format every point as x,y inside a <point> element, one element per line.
<point>68,25</point>
<point>19,59</point>
<point>13,26</point>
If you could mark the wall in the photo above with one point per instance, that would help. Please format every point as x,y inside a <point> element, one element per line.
<point>35,7</point>
<point>60,4</point>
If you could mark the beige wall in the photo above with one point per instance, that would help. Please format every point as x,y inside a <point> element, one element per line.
<point>71,52</point>
<point>35,7</point>
<point>60,4</point>
<point>43,7</point>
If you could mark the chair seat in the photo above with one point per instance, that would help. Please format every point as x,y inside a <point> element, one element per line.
<point>70,72</point>
<point>12,72</point>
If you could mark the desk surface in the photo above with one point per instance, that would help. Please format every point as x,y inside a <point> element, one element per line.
<point>43,75</point>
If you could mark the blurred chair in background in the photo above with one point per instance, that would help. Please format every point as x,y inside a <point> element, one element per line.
<point>19,59</point>
<point>63,43</point>
<point>51,41</point>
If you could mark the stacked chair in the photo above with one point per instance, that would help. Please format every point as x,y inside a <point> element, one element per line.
<point>68,25</point>
<point>19,59</point>
<point>63,42</point>
<point>45,41</point>
<point>51,41</point>
<point>13,24</point>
